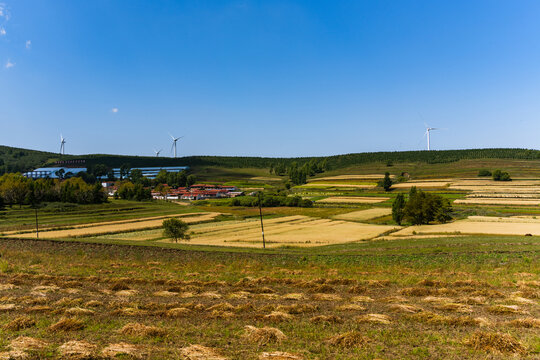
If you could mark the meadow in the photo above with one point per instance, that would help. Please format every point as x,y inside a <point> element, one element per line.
<point>452,298</point>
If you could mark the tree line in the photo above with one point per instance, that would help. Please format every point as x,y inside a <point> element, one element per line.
<point>15,159</point>
<point>16,189</point>
<point>298,175</point>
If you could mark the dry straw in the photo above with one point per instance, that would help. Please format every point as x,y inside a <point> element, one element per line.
<point>489,341</point>
<point>263,335</point>
<point>351,339</point>
<point>199,352</point>
<point>67,324</point>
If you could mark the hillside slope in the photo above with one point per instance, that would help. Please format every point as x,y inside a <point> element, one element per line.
<point>17,159</point>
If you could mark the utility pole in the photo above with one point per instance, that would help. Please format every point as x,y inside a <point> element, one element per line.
<point>260,214</point>
<point>37,227</point>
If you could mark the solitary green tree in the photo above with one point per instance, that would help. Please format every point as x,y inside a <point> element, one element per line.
<point>397,208</point>
<point>387,182</point>
<point>175,229</point>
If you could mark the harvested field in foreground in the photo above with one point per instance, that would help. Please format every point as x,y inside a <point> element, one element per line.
<point>363,215</point>
<point>151,303</point>
<point>353,200</point>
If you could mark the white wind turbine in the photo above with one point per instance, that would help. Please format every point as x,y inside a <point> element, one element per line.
<point>62,145</point>
<point>174,143</point>
<point>157,152</point>
<point>428,130</point>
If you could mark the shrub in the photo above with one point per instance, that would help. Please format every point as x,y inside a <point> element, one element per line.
<point>499,175</point>
<point>423,208</point>
<point>484,172</point>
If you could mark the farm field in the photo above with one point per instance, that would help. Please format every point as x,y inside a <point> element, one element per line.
<point>363,215</point>
<point>426,298</point>
<point>121,226</point>
<point>295,230</point>
<point>353,200</point>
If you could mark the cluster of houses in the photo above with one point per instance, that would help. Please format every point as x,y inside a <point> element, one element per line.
<point>199,192</point>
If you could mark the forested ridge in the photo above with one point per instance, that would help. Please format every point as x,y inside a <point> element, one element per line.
<point>20,160</point>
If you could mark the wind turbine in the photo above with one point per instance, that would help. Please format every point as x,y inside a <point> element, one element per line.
<point>174,143</point>
<point>157,152</point>
<point>62,145</point>
<point>428,129</point>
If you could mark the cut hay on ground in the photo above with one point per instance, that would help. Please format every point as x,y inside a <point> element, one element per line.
<point>278,316</point>
<point>123,349</point>
<point>67,324</point>
<point>353,200</point>
<point>77,350</point>
<point>263,335</point>
<point>363,215</point>
<point>22,322</point>
<point>489,341</point>
<point>25,343</point>
<point>279,355</point>
<point>351,339</point>
<point>373,318</point>
<point>199,352</point>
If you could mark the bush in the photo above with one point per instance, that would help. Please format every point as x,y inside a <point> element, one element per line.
<point>499,175</point>
<point>484,172</point>
<point>423,208</point>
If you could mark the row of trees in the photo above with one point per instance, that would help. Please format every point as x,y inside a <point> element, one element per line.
<point>299,174</point>
<point>421,208</point>
<point>16,189</point>
<point>268,200</point>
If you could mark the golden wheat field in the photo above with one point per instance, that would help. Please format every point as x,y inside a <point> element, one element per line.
<point>363,215</point>
<point>338,185</point>
<point>114,227</point>
<point>477,225</point>
<point>498,201</point>
<point>353,200</point>
<point>297,230</point>
<point>352,177</point>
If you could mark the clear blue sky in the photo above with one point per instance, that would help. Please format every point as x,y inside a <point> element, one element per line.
<point>271,78</point>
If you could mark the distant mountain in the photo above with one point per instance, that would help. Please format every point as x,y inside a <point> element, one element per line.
<point>21,160</point>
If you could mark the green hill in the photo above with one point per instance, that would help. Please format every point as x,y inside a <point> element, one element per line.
<point>17,159</point>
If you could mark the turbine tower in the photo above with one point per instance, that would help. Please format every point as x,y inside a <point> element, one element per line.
<point>157,152</point>
<point>174,143</point>
<point>428,129</point>
<point>62,145</point>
